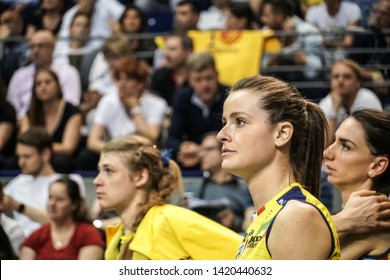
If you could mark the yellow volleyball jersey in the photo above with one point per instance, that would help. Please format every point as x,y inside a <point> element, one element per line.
<point>169,232</point>
<point>254,245</point>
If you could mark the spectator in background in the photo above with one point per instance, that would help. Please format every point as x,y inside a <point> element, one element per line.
<point>239,16</point>
<point>21,84</point>
<point>133,110</point>
<point>104,13</point>
<point>172,76</point>
<point>11,227</point>
<point>215,17</point>
<point>8,128</point>
<point>61,119</point>
<point>186,15</point>
<point>196,110</point>
<point>301,49</point>
<point>347,94</point>
<point>371,50</point>
<point>26,194</point>
<point>68,235</point>
<point>334,18</point>
<point>12,51</point>
<point>77,47</point>
<point>132,24</point>
<point>226,195</point>
<point>48,16</point>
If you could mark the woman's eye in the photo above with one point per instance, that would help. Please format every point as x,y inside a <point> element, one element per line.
<point>240,122</point>
<point>345,147</point>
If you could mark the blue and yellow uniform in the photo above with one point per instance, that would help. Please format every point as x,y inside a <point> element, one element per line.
<point>169,232</point>
<point>254,246</point>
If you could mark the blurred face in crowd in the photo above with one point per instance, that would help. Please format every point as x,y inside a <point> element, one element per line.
<point>382,14</point>
<point>272,19</point>
<point>30,160</point>
<point>175,54</point>
<point>80,26</point>
<point>115,187</point>
<point>52,4</point>
<point>46,87</point>
<point>42,47</point>
<point>186,18</point>
<point>11,22</point>
<point>59,205</point>
<point>205,84</point>
<point>344,80</point>
<point>128,86</point>
<point>210,154</point>
<point>132,21</point>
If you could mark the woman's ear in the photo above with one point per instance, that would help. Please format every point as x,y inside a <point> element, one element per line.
<point>378,166</point>
<point>284,132</point>
<point>141,178</point>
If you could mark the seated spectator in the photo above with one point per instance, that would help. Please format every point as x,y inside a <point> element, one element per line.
<point>8,128</point>
<point>168,79</point>
<point>301,44</point>
<point>26,194</point>
<point>133,110</point>
<point>334,18</point>
<point>25,8</point>
<point>60,118</point>
<point>136,182</point>
<point>132,24</point>
<point>21,84</point>
<point>12,229</point>
<point>104,13</point>
<point>48,16</point>
<point>225,193</point>
<point>215,17</point>
<point>347,94</point>
<point>186,15</point>
<point>371,50</point>
<point>196,110</point>
<point>12,50</point>
<point>6,252</point>
<point>239,16</point>
<point>68,235</point>
<point>77,45</point>
<point>358,160</point>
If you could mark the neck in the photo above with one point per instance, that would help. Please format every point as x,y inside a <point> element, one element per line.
<point>348,101</point>
<point>347,190</point>
<point>47,170</point>
<point>66,224</point>
<point>129,214</point>
<point>333,9</point>
<point>221,176</point>
<point>52,106</point>
<point>266,183</point>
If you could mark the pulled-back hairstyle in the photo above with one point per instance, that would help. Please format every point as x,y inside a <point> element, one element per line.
<point>164,176</point>
<point>35,112</point>
<point>351,64</point>
<point>283,103</point>
<point>80,212</point>
<point>376,127</point>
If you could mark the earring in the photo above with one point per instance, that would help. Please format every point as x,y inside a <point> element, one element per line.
<point>370,173</point>
<point>278,142</point>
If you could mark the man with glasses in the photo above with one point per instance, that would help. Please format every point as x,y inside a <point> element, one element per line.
<point>21,84</point>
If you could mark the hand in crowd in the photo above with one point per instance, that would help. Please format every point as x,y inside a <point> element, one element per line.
<point>10,204</point>
<point>337,100</point>
<point>188,154</point>
<point>227,218</point>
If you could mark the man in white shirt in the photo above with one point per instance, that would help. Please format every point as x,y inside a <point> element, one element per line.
<point>347,94</point>
<point>27,194</point>
<point>21,84</point>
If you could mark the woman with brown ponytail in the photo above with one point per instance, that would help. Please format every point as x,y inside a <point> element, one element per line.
<point>136,181</point>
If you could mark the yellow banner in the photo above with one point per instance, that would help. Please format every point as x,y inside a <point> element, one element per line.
<point>237,53</point>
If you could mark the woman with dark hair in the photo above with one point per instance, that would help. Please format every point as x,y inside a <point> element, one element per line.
<point>69,235</point>
<point>274,138</point>
<point>358,160</point>
<point>61,119</point>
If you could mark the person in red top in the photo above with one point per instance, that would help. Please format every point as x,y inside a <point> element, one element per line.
<point>68,235</point>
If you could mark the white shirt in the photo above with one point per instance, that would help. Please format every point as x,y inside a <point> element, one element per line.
<point>14,232</point>
<point>364,99</point>
<point>212,19</point>
<point>34,192</point>
<point>111,114</point>
<point>21,84</point>
<point>103,13</point>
